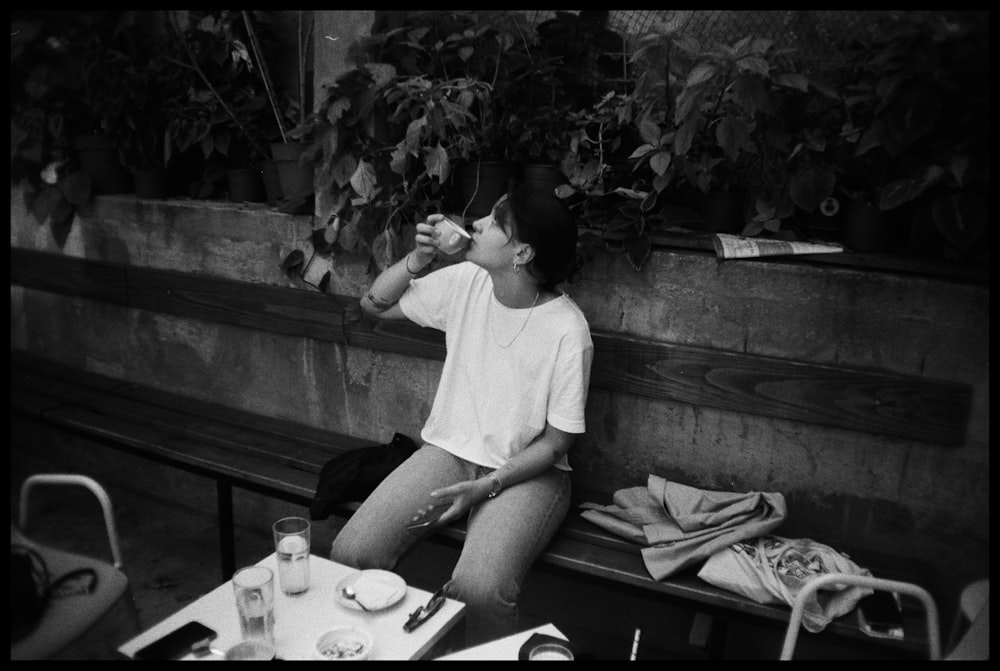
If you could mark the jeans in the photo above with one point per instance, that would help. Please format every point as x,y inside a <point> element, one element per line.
<point>504,536</point>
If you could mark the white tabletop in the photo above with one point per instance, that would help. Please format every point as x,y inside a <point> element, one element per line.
<point>299,620</point>
<point>502,648</point>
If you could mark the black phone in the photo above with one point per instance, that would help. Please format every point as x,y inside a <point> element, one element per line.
<point>177,643</point>
<point>880,612</point>
<point>430,517</point>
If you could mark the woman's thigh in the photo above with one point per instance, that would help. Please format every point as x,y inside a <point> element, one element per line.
<point>376,536</point>
<point>507,533</point>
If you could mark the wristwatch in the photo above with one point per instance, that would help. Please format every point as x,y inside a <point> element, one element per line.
<point>495,479</point>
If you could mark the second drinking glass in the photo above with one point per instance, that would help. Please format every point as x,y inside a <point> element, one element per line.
<point>291,542</point>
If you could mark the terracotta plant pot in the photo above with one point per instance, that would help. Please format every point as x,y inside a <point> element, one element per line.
<point>152,182</point>
<point>272,183</point>
<point>295,179</point>
<point>483,184</point>
<point>723,211</point>
<point>246,185</point>
<point>99,161</point>
<point>543,177</point>
<point>866,229</point>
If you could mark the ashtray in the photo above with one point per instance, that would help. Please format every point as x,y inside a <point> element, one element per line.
<point>344,644</point>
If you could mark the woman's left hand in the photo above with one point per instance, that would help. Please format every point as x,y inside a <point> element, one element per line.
<point>463,496</point>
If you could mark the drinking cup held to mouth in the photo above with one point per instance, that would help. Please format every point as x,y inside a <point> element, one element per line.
<point>291,542</point>
<point>451,237</point>
<point>254,587</point>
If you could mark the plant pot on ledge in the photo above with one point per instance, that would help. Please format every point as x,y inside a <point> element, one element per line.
<point>246,185</point>
<point>542,176</point>
<point>483,183</point>
<point>152,182</point>
<point>295,179</point>
<point>99,161</point>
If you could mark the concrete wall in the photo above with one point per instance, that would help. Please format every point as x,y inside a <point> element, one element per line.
<point>843,488</point>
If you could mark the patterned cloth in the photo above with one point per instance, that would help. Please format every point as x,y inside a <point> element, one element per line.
<point>772,569</point>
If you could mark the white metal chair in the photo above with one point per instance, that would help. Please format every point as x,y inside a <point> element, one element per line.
<point>67,618</point>
<point>794,622</point>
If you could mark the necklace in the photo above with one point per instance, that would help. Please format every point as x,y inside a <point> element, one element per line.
<point>518,334</point>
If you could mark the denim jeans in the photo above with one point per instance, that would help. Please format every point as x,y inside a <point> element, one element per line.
<point>504,535</point>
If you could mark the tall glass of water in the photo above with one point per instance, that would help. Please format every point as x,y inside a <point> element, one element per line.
<point>254,588</point>
<point>291,542</point>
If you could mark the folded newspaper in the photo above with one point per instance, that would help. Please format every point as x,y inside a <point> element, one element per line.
<point>737,247</point>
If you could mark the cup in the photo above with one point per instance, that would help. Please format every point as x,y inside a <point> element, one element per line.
<point>451,237</point>
<point>254,649</point>
<point>291,542</point>
<point>550,652</point>
<point>254,587</point>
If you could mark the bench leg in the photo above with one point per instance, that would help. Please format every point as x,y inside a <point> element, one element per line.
<point>224,494</point>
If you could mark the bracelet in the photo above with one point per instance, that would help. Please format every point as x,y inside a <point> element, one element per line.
<point>408,267</point>
<point>495,479</point>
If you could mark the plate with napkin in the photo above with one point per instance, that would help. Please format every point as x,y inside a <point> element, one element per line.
<point>375,589</point>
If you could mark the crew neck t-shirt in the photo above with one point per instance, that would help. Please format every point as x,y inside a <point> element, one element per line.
<point>507,371</point>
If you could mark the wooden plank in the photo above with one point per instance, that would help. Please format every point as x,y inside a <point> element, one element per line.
<point>873,402</point>
<point>68,275</point>
<point>910,407</point>
<point>257,306</point>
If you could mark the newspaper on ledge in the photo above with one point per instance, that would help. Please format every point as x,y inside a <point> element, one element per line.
<point>737,247</point>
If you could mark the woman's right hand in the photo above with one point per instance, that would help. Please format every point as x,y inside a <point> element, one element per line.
<point>427,246</point>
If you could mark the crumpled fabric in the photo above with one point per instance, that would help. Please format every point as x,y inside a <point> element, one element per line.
<point>681,525</point>
<point>772,569</point>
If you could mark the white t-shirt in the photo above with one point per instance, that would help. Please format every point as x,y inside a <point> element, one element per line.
<point>492,401</point>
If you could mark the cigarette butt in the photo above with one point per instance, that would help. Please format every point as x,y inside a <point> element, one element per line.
<point>635,644</point>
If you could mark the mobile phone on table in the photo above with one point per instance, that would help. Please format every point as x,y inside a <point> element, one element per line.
<point>177,643</point>
<point>879,615</point>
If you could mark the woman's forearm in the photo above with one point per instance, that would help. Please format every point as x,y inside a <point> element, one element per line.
<point>392,282</point>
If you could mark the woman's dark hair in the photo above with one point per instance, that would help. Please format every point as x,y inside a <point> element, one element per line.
<point>542,220</point>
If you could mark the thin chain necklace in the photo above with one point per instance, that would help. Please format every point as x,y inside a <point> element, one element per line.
<point>518,334</point>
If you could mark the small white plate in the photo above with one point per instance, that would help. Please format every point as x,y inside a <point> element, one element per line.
<point>376,588</point>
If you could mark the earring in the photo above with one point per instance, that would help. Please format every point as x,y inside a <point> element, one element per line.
<point>516,267</point>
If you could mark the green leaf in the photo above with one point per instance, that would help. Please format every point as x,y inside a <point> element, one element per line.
<point>792,80</point>
<point>733,134</point>
<point>660,162</point>
<point>637,248</point>
<point>701,73</point>
<point>324,282</point>
<point>649,131</point>
<point>754,64</point>
<point>295,259</point>
<point>75,187</point>
<point>641,151</point>
<point>685,136</point>
<point>436,163</point>
<point>364,181</point>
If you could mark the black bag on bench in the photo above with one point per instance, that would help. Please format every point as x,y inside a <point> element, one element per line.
<point>353,475</point>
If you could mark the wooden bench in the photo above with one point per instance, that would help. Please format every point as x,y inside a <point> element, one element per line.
<point>282,459</point>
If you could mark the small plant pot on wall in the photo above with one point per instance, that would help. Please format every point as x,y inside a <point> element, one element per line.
<point>724,211</point>
<point>152,182</point>
<point>99,161</point>
<point>543,177</point>
<point>866,229</point>
<point>483,183</point>
<point>294,179</point>
<point>272,183</point>
<point>246,185</point>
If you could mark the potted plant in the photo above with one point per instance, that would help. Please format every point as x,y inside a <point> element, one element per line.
<point>916,133</point>
<point>219,100</point>
<point>45,81</point>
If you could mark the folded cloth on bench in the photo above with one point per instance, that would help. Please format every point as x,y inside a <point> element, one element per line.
<point>772,569</point>
<point>681,525</point>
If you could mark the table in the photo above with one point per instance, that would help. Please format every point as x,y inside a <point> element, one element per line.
<point>502,648</point>
<point>299,620</point>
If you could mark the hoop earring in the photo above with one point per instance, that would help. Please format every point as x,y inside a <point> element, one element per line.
<point>517,268</point>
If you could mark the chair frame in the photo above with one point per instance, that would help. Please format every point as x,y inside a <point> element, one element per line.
<point>794,621</point>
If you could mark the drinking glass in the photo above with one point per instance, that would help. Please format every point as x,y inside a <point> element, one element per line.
<point>254,587</point>
<point>291,542</point>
